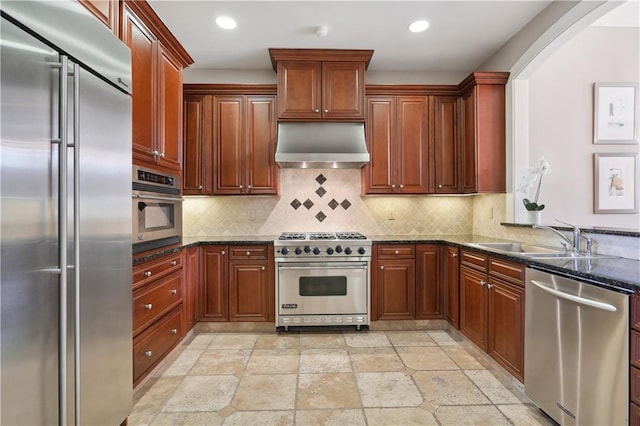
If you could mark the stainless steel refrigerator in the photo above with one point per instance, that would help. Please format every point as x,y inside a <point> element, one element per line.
<point>65,164</point>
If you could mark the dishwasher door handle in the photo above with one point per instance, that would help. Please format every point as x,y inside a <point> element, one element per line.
<point>576,299</point>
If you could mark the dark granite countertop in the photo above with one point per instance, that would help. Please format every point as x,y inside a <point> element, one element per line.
<point>614,273</point>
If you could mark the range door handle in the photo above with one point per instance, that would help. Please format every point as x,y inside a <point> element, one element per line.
<point>573,298</point>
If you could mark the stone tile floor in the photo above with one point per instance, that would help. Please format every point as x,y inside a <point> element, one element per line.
<point>431,377</point>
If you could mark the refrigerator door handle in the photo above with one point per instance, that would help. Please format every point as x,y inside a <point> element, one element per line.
<point>76,239</point>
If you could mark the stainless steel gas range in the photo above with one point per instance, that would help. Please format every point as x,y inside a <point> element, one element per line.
<point>322,279</point>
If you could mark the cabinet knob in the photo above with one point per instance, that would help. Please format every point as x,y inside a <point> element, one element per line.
<point>482,283</point>
<point>199,186</point>
<point>147,273</point>
<point>154,152</point>
<point>248,186</point>
<point>396,252</point>
<point>382,267</point>
<point>316,110</point>
<point>148,354</point>
<point>174,331</point>
<point>241,186</point>
<point>393,185</point>
<point>162,154</point>
<point>326,110</point>
<point>262,268</point>
<point>148,306</point>
<point>174,262</point>
<point>489,286</point>
<point>454,254</point>
<point>248,253</point>
<point>223,253</point>
<point>439,186</point>
<point>174,291</point>
<point>401,186</point>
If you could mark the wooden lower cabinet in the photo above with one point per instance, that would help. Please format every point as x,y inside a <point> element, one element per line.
<point>429,288</point>
<point>473,306</point>
<point>213,290</point>
<point>452,285</point>
<point>191,278</point>
<point>395,282</point>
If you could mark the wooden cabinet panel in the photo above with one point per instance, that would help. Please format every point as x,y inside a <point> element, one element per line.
<point>634,380</point>
<point>396,289</point>
<point>379,174</point>
<point>343,90</point>
<point>506,326</point>
<point>634,415</point>
<point>228,144</point>
<point>429,297</point>
<point>214,289</point>
<point>399,251</point>
<point>106,11</point>
<point>469,149</point>
<point>299,89</point>
<point>147,272</point>
<point>190,288</point>
<point>474,260</point>
<point>248,291</point>
<point>473,306</point>
<point>512,272</point>
<point>446,157</point>
<point>452,286</point>
<point>169,140</point>
<point>412,177</point>
<point>197,143</point>
<point>153,301</point>
<point>248,252</point>
<point>261,137</point>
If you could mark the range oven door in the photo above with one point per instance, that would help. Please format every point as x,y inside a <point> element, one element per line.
<point>323,288</point>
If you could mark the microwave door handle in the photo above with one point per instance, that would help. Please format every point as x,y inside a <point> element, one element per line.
<point>155,197</point>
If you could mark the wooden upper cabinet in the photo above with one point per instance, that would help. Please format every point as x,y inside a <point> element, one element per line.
<point>320,84</point>
<point>484,149</point>
<point>197,143</point>
<point>228,142</point>
<point>447,157</point>
<point>260,141</point>
<point>378,175</point>
<point>169,142</point>
<point>413,137</point>
<point>106,11</point>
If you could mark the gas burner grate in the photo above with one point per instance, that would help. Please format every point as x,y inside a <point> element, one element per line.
<point>350,236</point>
<point>322,236</point>
<point>292,236</point>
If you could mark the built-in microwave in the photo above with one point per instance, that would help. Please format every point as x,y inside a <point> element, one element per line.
<point>157,209</point>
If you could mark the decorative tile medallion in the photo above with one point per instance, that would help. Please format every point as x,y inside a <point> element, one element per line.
<point>333,204</point>
<point>321,216</point>
<point>321,179</point>
<point>345,204</point>
<point>321,191</point>
<point>308,204</point>
<point>295,204</point>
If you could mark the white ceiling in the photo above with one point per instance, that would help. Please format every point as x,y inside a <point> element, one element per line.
<point>461,37</point>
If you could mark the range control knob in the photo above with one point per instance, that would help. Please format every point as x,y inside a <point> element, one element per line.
<point>338,249</point>
<point>347,250</point>
<point>361,250</point>
<point>307,249</point>
<point>298,250</point>
<point>316,250</point>
<point>329,250</point>
<point>284,250</point>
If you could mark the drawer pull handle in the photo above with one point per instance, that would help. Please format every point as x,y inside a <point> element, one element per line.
<point>148,306</point>
<point>174,331</point>
<point>174,262</point>
<point>147,273</point>
<point>174,291</point>
<point>148,354</point>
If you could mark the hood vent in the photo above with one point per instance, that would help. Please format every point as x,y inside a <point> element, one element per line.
<point>321,145</point>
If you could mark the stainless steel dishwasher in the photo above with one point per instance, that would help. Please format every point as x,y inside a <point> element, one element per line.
<point>576,350</point>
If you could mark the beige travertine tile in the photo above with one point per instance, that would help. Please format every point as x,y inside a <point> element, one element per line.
<point>399,416</point>
<point>496,391</point>
<point>216,362</point>
<point>426,358</point>
<point>448,388</point>
<point>322,340</point>
<point>234,341</point>
<point>202,393</point>
<point>277,341</point>
<point>410,338</point>
<point>375,359</point>
<point>367,340</point>
<point>153,400</point>
<point>329,390</point>
<point>187,419</point>
<point>273,361</point>
<point>330,417</point>
<point>463,358</point>
<point>201,341</point>
<point>262,418</point>
<point>185,361</point>
<point>470,415</point>
<point>324,361</point>
<point>442,338</point>
<point>394,389</point>
<point>266,392</point>
<point>524,415</point>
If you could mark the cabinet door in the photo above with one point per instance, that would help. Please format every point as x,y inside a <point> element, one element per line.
<point>106,11</point>
<point>343,90</point>
<point>396,289</point>
<point>378,175</point>
<point>191,278</point>
<point>469,143</point>
<point>490,138</point>
<point>262,172</point>
<point>506,326</point>
<point>446,153</point>
<point>452,286</point>
<point>214,289</point>
<point>473,306</point>
<point>169,139</point>
<point>299,90</point>
<point>248,291</point>
<point>429,295</point>
<point>228,143</point>
<point>144,73</point>
<point>196,176</point>
<point>412,122</point>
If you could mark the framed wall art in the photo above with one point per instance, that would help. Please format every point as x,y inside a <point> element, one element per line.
<point>615,113</point>
<point>615,183</point>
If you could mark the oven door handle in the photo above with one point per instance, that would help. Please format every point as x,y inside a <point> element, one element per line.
<point>298,267</point>
<point>155,197</point>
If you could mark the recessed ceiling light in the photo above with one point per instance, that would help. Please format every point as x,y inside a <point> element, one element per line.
<point>225,22</point>
<point>418,26</point>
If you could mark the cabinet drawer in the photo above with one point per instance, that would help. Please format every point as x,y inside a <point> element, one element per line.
<point>152,301</point>
<point>474,260</point>
<point>247,252</point>
<point>635,349</point>
<point>149,271</point>
<point>397,251</point>
<point>506,270</point>
<point>151,346</point>
<point>634,381</point>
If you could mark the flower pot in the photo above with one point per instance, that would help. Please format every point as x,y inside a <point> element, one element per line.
<point>534,217</point>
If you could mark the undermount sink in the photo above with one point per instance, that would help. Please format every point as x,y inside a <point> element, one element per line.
<point>533,251</point>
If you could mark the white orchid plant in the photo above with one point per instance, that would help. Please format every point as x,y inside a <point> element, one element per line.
<point>533,175</point>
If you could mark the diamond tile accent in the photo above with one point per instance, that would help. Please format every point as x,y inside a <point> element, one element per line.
<point>333,204</point>
<point>295,204</point>
<point>321,191</point>
<point>321,216</point>
<point>345,204</point>
<point>321,179</point>
<point>308,204</point>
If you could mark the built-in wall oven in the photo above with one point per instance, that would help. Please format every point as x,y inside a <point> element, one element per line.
<point>322,279</point>
<point>157,209</point>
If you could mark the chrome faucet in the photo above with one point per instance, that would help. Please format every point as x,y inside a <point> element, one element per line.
<point>577,237</point>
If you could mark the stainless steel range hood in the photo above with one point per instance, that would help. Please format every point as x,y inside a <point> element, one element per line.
<point>321,145</point>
